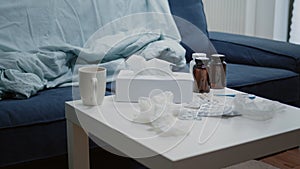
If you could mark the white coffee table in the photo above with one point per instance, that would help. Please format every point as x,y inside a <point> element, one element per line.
<point>211,142</point>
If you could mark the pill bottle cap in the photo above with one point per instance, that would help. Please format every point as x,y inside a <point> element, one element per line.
<point>218,55</point>
<point>195,55</point>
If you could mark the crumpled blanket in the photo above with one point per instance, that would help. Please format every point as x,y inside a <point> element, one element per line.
<point>43,42</point>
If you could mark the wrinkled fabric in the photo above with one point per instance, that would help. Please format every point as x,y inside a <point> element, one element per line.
<point>42,41</point>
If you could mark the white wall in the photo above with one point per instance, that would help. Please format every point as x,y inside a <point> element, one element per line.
<point>281,20</point>
<point>260,18</point>
<point>295,27</point>
<point>225,15</point>
<point>264,22</point>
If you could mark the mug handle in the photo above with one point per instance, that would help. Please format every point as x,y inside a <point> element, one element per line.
<point>95,90</point>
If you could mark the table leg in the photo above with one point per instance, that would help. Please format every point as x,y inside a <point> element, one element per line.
<point>78,147</point>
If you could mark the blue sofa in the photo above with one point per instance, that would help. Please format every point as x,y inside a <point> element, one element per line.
<point>34,129</point>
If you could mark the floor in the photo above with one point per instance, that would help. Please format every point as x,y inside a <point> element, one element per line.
<point>61,162</point>
<point>285,160</point>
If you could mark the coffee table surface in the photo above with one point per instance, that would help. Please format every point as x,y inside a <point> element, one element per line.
<point>211,142</point>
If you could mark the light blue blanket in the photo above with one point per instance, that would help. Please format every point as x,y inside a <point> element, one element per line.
<point>43,42</point>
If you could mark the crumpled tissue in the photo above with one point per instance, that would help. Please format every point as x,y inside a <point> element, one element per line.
<point>141,66</point>
<point>159,111</point>
<point>256,109</point>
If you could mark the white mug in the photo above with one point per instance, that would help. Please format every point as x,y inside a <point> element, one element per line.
<point>92,85</point>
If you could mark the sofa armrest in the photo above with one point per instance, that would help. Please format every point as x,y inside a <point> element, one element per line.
<point>257,51</point>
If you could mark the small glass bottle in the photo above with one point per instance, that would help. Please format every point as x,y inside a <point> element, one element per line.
<point>201,78</point>
<point>217,71</point>
<point>193,62</point>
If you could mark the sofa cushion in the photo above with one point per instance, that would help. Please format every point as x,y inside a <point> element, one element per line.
<point>276,84</point>
<point>47,106</point>
<point>244,75</point>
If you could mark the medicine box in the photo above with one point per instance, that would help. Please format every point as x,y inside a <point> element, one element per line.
<point>130,87</point>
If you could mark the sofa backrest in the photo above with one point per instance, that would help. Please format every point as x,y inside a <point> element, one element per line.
<point>190,10</point>
<point>191,22</point>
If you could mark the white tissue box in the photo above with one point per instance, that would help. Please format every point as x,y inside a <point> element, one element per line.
<point>129,87</point>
